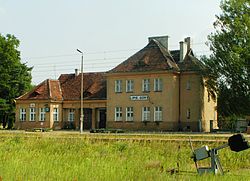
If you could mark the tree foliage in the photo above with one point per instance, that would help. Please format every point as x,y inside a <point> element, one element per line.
<point>15,77</point>
<point>228,67</point>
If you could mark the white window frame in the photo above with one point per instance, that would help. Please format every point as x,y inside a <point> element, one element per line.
<point>71,115</point>
<point>146,85</point>
<point>145,113</point>
<point>32,114</point>
<point>158,115</point>
<point>129,114</point>
<point>129,85</point>
<point>42,114</point>
<point>55,114</point>
<point>118,86</point>
<point>118,113</point>
<point>158,84</point>
<point>22,114</point>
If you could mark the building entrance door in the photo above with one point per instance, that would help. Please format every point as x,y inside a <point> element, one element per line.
<point>87,120</point>
<point>102,122</point>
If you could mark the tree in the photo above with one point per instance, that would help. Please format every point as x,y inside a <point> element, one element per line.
<point>228,67</point>
<point>15,77</point>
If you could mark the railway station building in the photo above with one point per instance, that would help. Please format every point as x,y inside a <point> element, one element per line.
<point>156,89</point>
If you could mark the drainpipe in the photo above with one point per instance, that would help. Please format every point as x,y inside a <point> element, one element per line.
<point>179,116</point>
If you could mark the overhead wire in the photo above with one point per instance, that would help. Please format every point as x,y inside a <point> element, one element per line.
<point>59,64</point>
<point>96,52</point>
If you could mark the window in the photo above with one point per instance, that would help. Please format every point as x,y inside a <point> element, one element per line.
<point>118,114</point>
<point>146,114</point>
<point>157,84</point>
<point>188,85</point>
<point>188,113</point>
<point>158,114</point>
<point>32,114</point>
<point>145,85</point>
<point>71,116</point>
<point>55,114</point>
<point>22,114</point>
<point>42,114</point>
<point>118,86</point>
<point>129,114</point>
<point>129,85</point>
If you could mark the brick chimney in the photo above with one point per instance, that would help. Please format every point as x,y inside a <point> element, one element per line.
<point>183,50</point>
<point>188,41</point>
<point>163,40</point>
<point>76,72</point>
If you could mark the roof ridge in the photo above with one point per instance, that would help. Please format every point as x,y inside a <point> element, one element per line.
<point>60,89</point>
<point>162,48</point>
<point>153,50</point>
<point>49,88</point>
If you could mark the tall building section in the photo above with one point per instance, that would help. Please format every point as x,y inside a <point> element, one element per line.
<point>175,98</point>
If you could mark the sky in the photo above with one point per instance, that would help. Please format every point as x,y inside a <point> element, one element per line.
<point>107,32</point>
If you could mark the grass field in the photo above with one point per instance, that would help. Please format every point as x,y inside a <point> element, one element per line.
<point>71,156</point>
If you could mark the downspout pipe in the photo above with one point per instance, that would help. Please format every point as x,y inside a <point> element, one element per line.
<point>179,105</point>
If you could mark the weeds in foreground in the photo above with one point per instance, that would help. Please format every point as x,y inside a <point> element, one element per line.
<point>48,158</point>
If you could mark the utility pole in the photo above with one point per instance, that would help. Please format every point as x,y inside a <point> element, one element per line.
<point>81,117</point>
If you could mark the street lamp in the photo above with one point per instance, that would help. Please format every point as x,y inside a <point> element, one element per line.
<point>81,118</point>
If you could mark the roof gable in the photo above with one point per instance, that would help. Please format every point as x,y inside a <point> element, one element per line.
<point>153,57</point>
<point>190,63</point>
<point>48,89</point>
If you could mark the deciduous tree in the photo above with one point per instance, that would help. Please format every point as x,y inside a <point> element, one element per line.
<point>15,77</point>
<point>228,67</point>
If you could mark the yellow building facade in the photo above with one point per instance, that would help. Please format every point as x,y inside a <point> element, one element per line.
<point>156,89</point>
<point>55,104</point>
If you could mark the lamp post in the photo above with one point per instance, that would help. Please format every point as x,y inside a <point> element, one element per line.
<point>81,118</point>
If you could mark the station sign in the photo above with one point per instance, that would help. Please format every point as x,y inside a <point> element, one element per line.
<point>139,98</point>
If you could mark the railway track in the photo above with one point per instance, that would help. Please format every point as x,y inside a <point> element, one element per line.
<point>131,137</point>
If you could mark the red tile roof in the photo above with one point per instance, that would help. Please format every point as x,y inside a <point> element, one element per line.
<point>55,90</point>
<point>190,63</point>
<point>68,87</point>
<point>94,86</point>
<point>153,57</point>
<point>48,89</point>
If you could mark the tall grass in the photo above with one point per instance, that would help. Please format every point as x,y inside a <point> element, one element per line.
<point>81,158</point>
